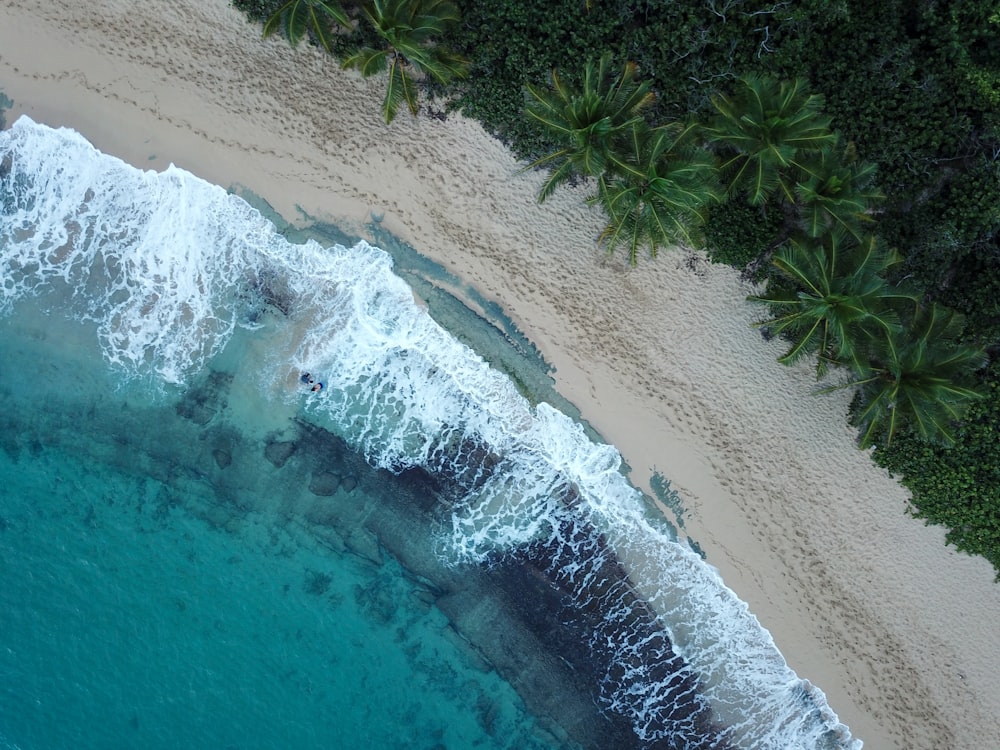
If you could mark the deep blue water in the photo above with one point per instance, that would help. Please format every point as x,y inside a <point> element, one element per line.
<point>198,551</point>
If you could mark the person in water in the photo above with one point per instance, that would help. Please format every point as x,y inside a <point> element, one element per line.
<point>317,387</point>
<point>307,378</point>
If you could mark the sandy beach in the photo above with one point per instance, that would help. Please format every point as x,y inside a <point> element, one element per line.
<point>900,631</point>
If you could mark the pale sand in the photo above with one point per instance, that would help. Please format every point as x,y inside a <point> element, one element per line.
<point>899,631</point>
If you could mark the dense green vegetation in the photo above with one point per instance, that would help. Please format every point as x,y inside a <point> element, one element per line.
<point>872,210</point>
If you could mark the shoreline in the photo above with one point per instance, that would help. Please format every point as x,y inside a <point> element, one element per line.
<point>862,600</point>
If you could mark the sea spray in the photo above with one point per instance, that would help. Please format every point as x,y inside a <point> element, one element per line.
<point>166,267</point>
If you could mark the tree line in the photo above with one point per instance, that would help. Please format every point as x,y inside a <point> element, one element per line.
<point>876,242</point>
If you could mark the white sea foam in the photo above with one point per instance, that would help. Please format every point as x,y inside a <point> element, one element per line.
<point>167,266</point>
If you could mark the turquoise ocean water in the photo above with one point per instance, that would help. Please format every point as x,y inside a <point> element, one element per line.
<point>196,550</point>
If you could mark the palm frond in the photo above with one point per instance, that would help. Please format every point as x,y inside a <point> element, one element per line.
<point>763,130</point>
<point>921,379</point>
<point>367,61</point>
<point>408,28</point>
<point>297,17</point>
<point>839,282</point>
<point>658,194</point>
<point>401,88</point>
<point>591,122</point>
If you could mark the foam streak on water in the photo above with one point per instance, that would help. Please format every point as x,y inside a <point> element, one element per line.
<point>167,266</point>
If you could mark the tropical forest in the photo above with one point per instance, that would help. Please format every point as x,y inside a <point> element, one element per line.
<point>844,155</point>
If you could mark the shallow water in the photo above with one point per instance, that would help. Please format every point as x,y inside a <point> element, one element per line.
<point>198,551</point>
<point>148,605</point>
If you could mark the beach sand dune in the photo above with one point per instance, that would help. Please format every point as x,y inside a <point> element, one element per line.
<point>898,630</point>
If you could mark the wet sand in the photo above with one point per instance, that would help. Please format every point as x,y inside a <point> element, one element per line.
<point>867,603</point>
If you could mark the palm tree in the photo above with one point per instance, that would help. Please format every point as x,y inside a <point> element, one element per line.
<point>838,300</point>
<point>408,29</point>
<point>765,131</point>
<point>833,192</point>
<point>297,17</point>
<point>589,122</point>
<point>656,191</point>
<point>918,378</point>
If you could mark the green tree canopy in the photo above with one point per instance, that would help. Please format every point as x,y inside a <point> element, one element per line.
<point>765,131</point>
<point>834,191</point>
<point>296,18</point>
<point>409,30</point>
<point>657,192</point>
<point>833,299</point>
<point>920,378</point>
<point>591,122</point>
